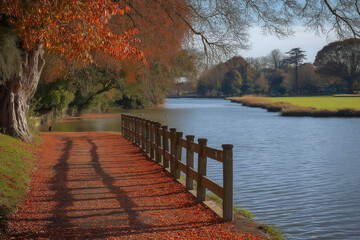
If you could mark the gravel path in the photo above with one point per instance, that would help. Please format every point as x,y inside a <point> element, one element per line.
<point>100,186</point>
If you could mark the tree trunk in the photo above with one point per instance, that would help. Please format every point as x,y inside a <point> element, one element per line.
<point>15,95</point>
<point>350,83</point>
<point>296,80</point>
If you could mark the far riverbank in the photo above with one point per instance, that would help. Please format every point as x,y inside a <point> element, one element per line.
<point>304,106</point>
<point>195,96</point>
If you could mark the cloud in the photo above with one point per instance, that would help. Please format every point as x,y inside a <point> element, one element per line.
<point>261,45</point>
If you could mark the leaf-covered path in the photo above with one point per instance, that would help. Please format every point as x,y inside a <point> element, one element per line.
<point>100,186</point>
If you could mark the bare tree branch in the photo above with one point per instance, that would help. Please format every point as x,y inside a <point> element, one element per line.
<point>333,11</point>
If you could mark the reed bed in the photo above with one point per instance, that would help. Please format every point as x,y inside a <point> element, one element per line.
<point>346,95</point>
<point>288,109</point>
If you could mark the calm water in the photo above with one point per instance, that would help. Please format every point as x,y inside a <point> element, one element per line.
<point>300,174</point>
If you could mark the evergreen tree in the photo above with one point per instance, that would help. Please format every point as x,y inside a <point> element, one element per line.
<point>295,58</point>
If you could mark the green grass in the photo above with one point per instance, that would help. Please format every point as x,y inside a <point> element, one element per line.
<point>214,198</point>
<point>272,231</point>
<point>244,212</point>
<point>305,106</point>
<point>326,102</point>
<point>16,164</point>
<point>119,133</point>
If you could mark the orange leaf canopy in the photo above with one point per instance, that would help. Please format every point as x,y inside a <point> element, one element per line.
<point>72,28</point>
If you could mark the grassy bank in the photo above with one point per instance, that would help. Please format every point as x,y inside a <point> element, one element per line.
<point>270,230</point>
<point>327,102</point>
<point>17,159</point>
<point>305,106</point>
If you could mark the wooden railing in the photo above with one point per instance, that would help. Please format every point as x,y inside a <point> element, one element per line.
<point>154,140</point>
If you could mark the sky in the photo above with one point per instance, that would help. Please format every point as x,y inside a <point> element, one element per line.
<point>261,45</point>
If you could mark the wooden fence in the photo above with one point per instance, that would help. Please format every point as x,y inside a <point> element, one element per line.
<point>154,139</point>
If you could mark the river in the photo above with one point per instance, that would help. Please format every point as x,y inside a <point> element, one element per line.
<point>300,174</point>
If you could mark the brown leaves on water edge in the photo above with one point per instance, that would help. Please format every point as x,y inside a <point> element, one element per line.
<point>99,185</point>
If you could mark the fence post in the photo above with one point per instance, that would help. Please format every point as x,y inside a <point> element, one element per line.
<point>136,127</point>
<point>165,146</point>
<point>172,150</point>
<point>126,126</point>
<point>158,141</point>
<point>189,161</point>
<point>131,128</point>
<point>143,133</point>
<point>138,131</point>
<point>122,125</point>
<point>147,125</point>
<point>152,140</point>
<point>228,182</point>
<point>202,162</point>
<point>178,153</point>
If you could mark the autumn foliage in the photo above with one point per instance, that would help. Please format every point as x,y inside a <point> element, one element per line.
<point>162,29</point>
<point>71,28</point>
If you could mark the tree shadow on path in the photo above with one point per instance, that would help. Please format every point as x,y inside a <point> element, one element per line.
<point>62,194</point>
<point>122,198</point>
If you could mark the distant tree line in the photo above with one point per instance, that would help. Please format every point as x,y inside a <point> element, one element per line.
<point>336,70</point>
<point>233,77</point>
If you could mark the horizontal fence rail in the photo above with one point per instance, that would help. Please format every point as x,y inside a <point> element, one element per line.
<point>165,146</point>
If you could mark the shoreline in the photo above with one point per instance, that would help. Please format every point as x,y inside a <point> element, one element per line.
<point>195,96</point>
<point>290,110</point>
